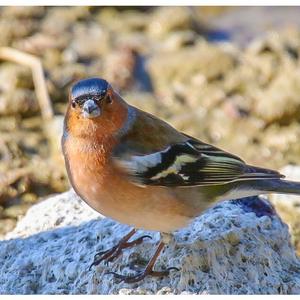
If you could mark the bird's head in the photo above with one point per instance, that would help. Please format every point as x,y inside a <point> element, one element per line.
<point>94,105</point>
<point>89,98</point>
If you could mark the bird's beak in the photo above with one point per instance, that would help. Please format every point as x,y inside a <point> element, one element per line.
<point>90,109</point>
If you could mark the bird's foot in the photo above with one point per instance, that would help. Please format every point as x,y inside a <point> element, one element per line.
<point>148,270</point>
<point>111,254</point>
<point>141,275</point>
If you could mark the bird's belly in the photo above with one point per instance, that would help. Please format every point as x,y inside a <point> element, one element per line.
<point>150,208</point>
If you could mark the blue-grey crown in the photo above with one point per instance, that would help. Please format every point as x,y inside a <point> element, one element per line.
<point>89,86</point>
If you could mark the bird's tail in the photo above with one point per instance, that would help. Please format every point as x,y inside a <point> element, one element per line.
<point>278,186</point>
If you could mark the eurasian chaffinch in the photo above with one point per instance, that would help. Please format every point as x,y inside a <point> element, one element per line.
<point>137,169</point>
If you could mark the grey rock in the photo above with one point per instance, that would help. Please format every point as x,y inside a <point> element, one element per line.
<point>288,206</point>
<point>236,247</point>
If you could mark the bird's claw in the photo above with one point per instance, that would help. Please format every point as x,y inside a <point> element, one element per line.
<point>111,254</point>
<point>100,253</point>
<point>103,255</point>
<point>137,241</point>
<point>141,275</point>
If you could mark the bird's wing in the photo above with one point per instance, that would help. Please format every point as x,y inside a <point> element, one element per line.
<point>188,163</point>
<point>152,152</point>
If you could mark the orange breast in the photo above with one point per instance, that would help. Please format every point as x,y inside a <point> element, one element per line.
<point>109,192</point>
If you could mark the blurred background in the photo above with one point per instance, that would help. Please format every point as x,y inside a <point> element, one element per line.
<point>227,75</point>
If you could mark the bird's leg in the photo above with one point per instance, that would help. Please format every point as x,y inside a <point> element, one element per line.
<point>111,254</point>
<point>148,270</point>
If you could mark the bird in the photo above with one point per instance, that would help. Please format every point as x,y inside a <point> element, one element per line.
<point>137,169</point>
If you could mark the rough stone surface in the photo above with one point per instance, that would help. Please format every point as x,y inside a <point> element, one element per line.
<point>236,247</point>
<point>288,206</point>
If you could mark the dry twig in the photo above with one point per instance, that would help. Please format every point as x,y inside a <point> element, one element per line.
<point>39,81</point>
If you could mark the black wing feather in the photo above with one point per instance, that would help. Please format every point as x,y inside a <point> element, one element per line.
<point>194,163</point>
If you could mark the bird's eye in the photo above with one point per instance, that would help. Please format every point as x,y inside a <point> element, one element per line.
<point>73,104</point>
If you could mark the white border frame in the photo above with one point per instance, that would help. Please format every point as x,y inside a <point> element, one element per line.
<point>151,3</point>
